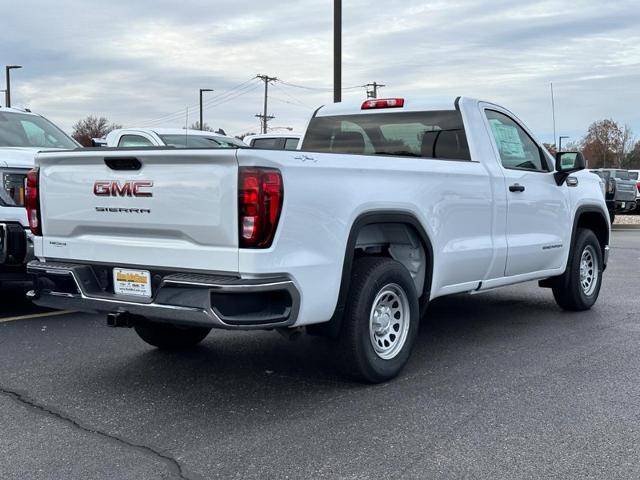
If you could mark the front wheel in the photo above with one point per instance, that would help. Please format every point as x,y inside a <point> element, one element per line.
<point>170,337</point>
<point>381,319</point>
<point>578,288</point>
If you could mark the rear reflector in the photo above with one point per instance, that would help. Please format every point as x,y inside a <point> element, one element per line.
<point>259,205</point>
<point>383,103</point>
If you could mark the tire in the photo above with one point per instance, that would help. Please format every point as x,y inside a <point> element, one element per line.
<point>383,289</point>
<point>578,288</point>
<point>170,337</point>
<point>612,216</point>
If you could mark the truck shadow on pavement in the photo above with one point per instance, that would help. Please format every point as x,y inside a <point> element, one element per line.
<point>243,362</point>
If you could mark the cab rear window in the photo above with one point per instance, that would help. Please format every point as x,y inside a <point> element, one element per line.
<point>436,134</point>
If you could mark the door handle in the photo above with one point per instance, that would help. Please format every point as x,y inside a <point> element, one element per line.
<point>122,163</point>
<point>516,187</point>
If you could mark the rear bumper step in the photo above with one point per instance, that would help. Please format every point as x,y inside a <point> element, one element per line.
<point>190,299</point>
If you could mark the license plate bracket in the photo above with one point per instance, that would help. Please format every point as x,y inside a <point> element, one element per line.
<point>130,282</point>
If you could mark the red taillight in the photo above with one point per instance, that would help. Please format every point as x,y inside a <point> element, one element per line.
<point>259,206</point>
<point>383,103</point>
<point>33,202</point>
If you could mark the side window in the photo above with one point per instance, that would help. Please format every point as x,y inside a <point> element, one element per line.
<point>266,143</point>
<point>134,141</point>
<point>291,144</point>
<point>517,149</point>
<point>34,133</point>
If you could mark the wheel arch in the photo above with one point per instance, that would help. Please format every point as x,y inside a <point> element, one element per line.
<point>365,219</point>
<point>596,220</point>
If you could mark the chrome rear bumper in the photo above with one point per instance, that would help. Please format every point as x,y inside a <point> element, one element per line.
<point>182,298</point>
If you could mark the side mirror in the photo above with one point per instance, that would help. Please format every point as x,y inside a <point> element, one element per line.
<point>567,163</point>
<point>98,142</point>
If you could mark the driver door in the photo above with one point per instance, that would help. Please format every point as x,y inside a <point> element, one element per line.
<point>538,211</point>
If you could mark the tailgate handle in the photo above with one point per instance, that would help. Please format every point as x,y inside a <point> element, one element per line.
<point>123,163</point>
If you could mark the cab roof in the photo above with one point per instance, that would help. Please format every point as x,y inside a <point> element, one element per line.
<point>24,111</point>
<point>417,104</point>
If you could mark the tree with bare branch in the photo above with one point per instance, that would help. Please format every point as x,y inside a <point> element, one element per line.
<point>92,127</point>
<point>205,127</point>
<point>606,144</point>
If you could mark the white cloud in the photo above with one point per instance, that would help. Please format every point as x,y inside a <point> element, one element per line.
<point>144,61</point>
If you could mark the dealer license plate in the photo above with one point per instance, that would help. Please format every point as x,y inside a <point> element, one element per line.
<point>132,282</point>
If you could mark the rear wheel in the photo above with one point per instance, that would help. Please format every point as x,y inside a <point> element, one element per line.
<point>578,288</point>
<point>381,320</point>
<point>170,337</point>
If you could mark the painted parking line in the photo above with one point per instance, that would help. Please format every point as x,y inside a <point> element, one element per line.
<point>35,315</point>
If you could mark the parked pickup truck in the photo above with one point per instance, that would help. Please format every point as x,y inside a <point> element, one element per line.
<point>635,176</point>
<point>22,135</point>
<point>390,204</point>
<point>167,137</point>
<point>273,141</point>
<point>620,190</point>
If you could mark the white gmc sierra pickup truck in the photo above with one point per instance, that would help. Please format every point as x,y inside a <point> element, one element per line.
<point>388,204</point>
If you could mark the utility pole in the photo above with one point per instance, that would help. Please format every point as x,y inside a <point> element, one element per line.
<point>373,92</point>
<point>7,92</point>
<point>203,90</point>
<point>337,51</point>
<point>264,117</point>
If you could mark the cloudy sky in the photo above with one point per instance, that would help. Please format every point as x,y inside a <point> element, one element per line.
<point>141,63</point>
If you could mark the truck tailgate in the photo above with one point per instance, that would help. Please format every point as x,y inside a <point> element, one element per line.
<point>625,190</point>
<point>157,208</point>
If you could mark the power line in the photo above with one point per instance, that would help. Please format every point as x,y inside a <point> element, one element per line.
<point>221,100</point>
<point>246,86</point>
<point>292,97</point>
<point>172,116</point>
<point>234,96</point>
<point>282,100</point>
<point>319,89</point>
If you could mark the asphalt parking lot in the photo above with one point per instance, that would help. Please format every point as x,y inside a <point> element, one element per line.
<point>501,385</point>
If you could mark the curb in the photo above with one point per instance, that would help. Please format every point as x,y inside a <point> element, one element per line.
<point>622,228</point>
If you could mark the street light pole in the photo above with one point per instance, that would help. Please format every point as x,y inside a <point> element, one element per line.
<point>337,51</point>
<point>560,142</point>
<point>203,90</point>
<point>7,92</point>
<point>553,114</point>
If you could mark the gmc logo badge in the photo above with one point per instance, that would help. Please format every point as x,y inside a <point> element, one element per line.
<point>113,188</point>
